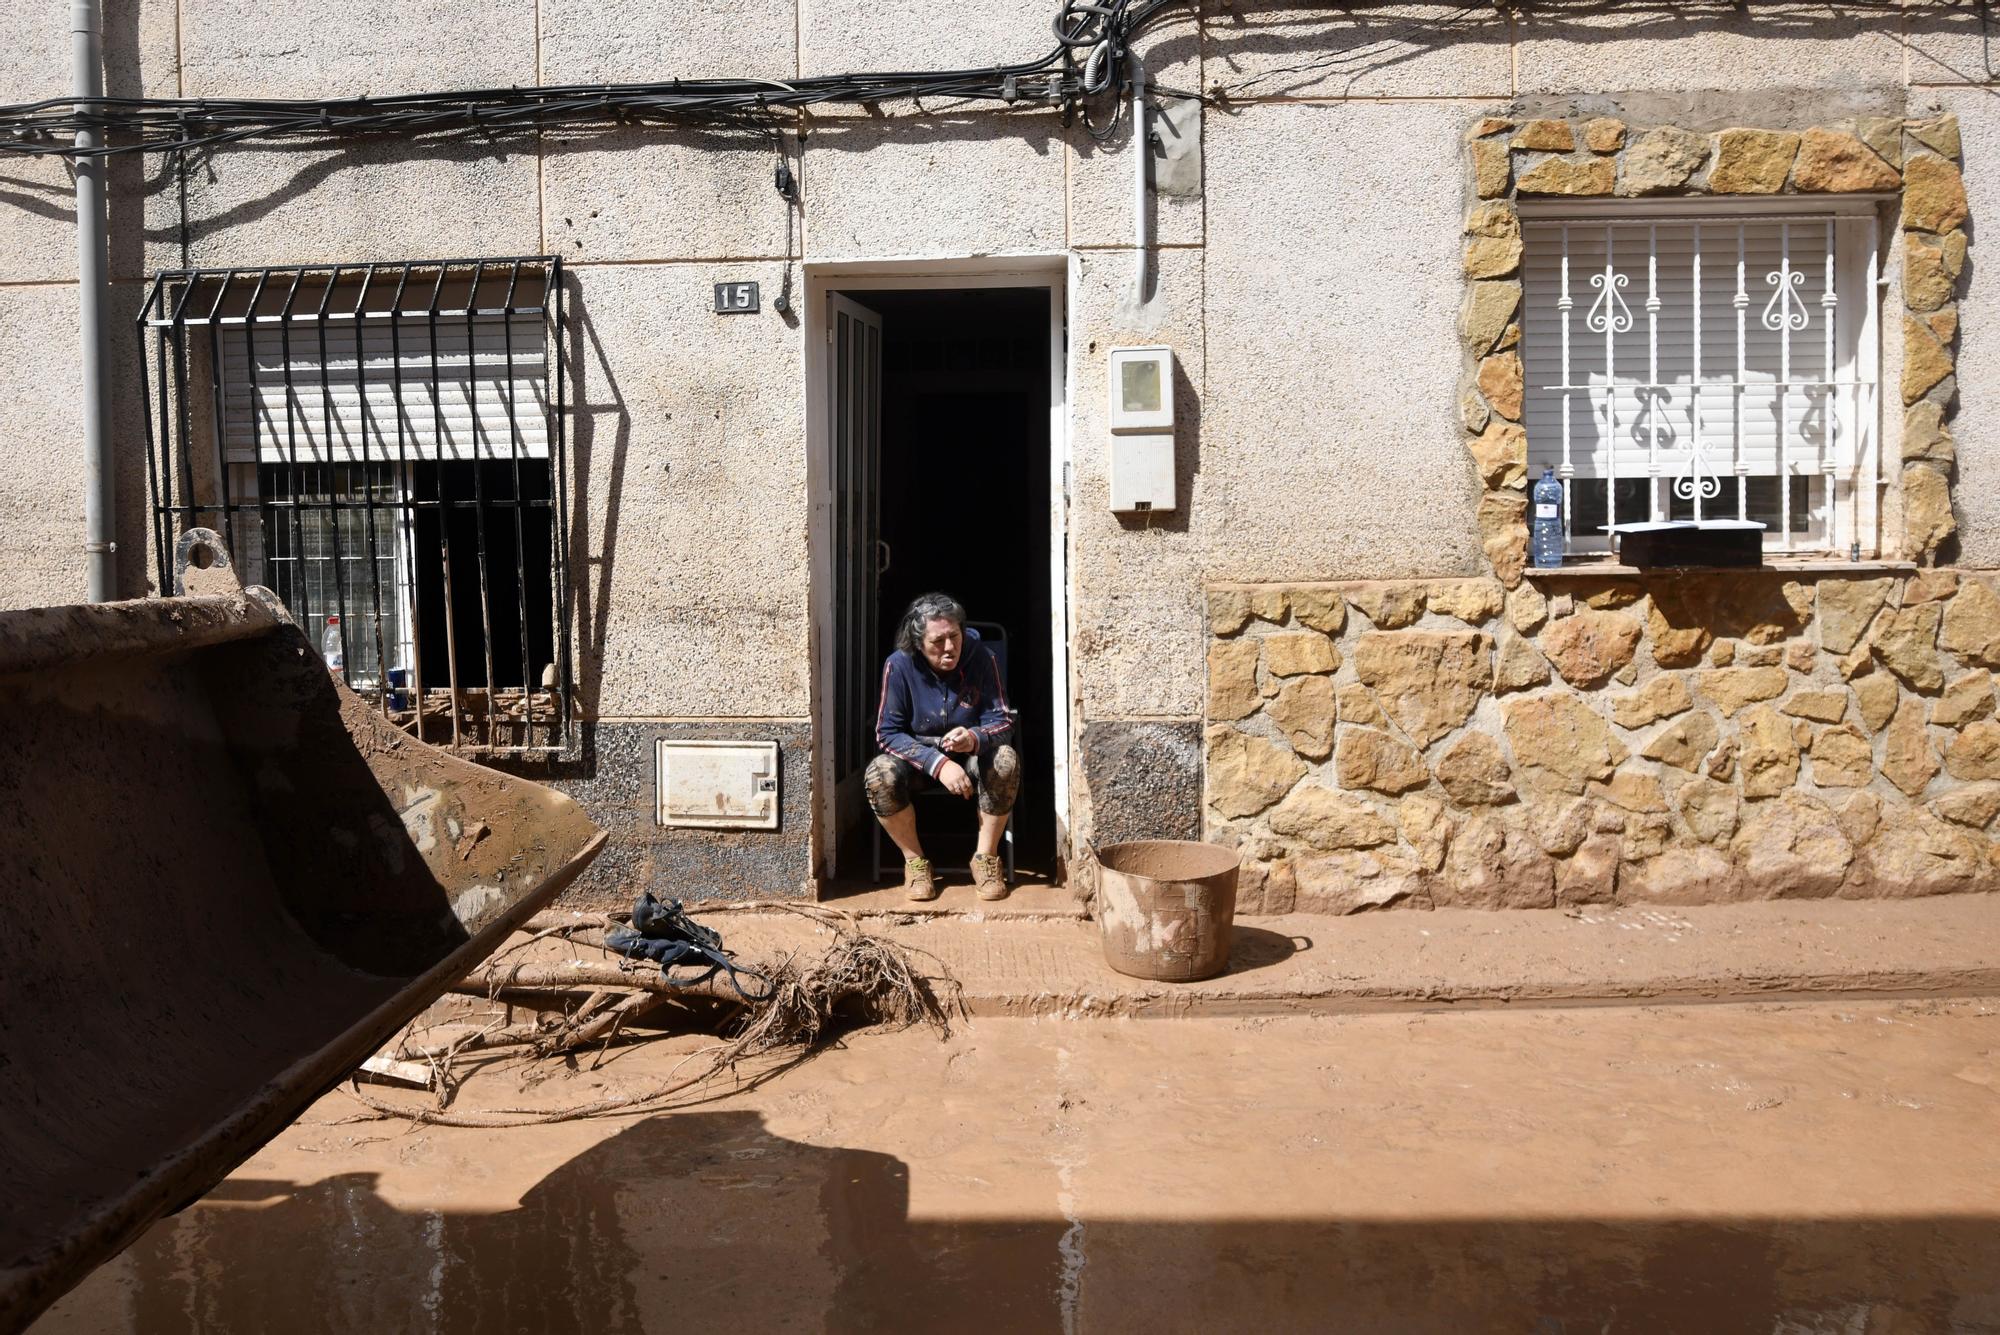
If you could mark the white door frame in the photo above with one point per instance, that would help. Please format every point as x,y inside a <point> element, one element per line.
<point>1050,272</point>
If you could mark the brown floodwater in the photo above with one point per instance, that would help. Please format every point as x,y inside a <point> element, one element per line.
<point>1823,1168</point>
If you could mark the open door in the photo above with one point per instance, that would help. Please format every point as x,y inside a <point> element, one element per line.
<point>854,399</point>
<point>937,430</point>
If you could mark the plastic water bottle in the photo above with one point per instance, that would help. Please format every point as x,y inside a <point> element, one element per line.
<point>1545,524</point>
<point>329,645</point>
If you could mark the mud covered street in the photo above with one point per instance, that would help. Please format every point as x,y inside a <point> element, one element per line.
<point>1826,1167</point>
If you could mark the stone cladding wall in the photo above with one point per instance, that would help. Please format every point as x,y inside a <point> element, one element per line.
<point>1604,157</point>
<point>1705,738</point>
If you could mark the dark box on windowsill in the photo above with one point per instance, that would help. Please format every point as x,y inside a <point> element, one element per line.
<point>1720,543</point>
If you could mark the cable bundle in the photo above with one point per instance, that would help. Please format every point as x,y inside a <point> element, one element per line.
<point>1088,60</point>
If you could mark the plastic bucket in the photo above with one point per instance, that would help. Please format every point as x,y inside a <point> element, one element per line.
<point>1165,908</point>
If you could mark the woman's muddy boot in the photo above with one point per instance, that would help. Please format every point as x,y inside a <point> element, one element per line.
<point>987,878</point>
<point>918,884</point>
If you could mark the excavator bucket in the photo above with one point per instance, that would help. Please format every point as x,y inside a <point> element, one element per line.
<point>225,881</point>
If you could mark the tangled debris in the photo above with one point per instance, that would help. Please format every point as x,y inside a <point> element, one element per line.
<point>858,979</point>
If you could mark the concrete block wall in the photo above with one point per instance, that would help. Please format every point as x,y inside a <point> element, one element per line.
<point>1310,290</point>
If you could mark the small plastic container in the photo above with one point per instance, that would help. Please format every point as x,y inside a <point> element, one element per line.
<point>330,647</point>
<point>1545,522</point>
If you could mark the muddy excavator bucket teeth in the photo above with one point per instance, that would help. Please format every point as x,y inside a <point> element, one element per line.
<point>225,881</point>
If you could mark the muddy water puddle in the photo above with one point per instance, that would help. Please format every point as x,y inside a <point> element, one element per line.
<point>1797,1169</point>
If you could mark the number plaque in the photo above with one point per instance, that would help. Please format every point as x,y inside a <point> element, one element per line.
<point>735,298</point>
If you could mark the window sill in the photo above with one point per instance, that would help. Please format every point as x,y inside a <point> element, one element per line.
<point>1589,568</point>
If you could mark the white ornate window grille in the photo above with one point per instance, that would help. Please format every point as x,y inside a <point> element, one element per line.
<point>1757,399</point>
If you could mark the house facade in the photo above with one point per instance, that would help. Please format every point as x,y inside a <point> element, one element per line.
<point>617,448</point>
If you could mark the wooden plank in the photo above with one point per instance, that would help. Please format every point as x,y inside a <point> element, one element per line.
<point>389,1071</point>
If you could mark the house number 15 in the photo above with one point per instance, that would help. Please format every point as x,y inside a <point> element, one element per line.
<point>735,298</point>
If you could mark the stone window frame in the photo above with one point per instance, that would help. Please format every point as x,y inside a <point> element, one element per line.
<point>1917,162</point>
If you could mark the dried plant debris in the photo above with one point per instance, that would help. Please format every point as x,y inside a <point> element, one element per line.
<point>802,1004</point>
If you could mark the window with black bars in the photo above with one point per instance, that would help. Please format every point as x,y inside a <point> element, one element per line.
<point>385,447</point>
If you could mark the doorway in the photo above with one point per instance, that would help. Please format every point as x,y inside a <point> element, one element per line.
<point>941,407</point>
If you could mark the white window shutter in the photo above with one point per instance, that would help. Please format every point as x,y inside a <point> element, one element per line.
<point>455,409</point>
<point>1644,409</point>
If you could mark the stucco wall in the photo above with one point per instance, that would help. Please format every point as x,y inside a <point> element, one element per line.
<point>1334,455</point>
<point>691,552</point>
<point>41,467</point>
<point>1310,287</point>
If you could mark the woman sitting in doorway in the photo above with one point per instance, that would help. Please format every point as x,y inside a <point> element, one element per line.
<point>943,722</point>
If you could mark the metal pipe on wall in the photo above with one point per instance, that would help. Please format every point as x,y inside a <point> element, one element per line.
<point>93,285</point>
<point>1142,146</point>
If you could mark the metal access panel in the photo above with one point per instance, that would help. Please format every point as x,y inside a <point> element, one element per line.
<point>717,785</point>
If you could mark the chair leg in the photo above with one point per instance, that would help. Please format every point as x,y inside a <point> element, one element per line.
<point>878,852</point>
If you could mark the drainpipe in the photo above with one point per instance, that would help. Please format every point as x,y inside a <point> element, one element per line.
<point>1141,151</point>
<point>93,283</point>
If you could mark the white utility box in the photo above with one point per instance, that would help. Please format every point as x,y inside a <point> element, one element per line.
<point>717,785</point>
<point>1142,428</point>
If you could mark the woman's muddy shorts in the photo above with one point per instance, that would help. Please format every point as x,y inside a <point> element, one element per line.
<point>995,775</point>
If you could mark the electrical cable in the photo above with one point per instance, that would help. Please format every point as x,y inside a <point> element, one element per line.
<point>1103,28</point>
<point>787,185</point>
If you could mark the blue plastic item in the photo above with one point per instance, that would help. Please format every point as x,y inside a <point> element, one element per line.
<point>1545,524</point>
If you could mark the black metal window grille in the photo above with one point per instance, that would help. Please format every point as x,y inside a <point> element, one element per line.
<point>385,446</point>
<point>310,565</point>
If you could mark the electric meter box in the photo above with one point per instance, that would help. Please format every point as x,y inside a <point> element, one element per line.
<point>716,785</point>
<point>1142,429</point>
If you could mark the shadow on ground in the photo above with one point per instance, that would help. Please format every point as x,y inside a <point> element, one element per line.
<point>1259,948</point>
<point>704,1221</point>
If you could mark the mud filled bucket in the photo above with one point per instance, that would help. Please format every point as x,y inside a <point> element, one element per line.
<point>1165,908</point>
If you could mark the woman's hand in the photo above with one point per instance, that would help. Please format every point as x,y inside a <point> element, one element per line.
<point>961,740</point>
<point>953,776</point>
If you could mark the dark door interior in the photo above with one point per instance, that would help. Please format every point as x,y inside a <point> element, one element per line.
<point>964,484</point>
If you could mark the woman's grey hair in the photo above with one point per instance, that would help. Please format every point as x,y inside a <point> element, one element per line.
<point>926,609</point>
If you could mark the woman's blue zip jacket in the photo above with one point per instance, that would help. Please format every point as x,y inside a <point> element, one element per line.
<point>919,704</point>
